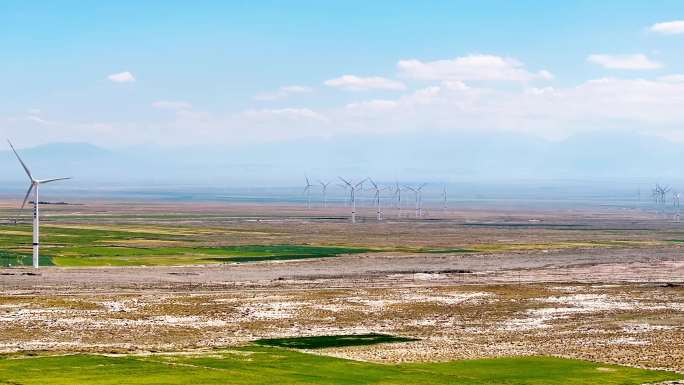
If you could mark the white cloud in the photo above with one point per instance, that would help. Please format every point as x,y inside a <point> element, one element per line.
<point>282,93</point>
<point>122,77</point>
<point>373,105</point>
<point>286,113</point>
<point>669,27</point>
<point>653,105</point>
<point>674,78</point>
<point>424,96</point>
<point>624,62</point>
<point>470,68</point>
<point>455,85</point>
<point>553,113</point>
<point>464,95</point>
<point>172,105</point>
<point>40,120</point>
<point>544,74</point>
<point>357,83</point>
<point>296,89</point>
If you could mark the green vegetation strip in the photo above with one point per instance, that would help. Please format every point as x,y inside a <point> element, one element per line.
<point>167,245</point>
<point>321,342</point>
<point>157,246</point>
<point>125,255</point>
<point>268,365</point>
<point>11,258</point>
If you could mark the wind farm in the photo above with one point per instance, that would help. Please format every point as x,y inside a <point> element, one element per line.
<point>481,193</point>
<point>317,274</point>
<point>510,272</point>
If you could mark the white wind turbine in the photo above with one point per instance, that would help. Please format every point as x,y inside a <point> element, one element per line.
<point>444,196</point>
<point>376,197</point>
<point>35,183</point>
<point>397,194</point>
<point>324,187</point>
<point>352,195</point>
<point>417,191</point>
<point>307,191</point>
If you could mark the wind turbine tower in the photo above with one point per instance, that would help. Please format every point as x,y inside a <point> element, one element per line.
<point>397,194</point>
<point>307,191</point>
<point>35,183</point>
<point>376,198</point>
<point>675,204</point>
<point>352,196</point>
<point>417,191</point>
<point>324,187</point>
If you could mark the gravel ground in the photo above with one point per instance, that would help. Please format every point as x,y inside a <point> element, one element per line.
<point>619,302</point>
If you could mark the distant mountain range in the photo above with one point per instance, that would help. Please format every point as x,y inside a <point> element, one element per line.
<point>404,157</point>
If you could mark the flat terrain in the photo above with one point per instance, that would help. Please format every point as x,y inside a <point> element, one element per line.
<point>129,280</point>
<point>259,365</point>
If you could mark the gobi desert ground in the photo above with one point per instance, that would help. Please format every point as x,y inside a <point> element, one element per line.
<point>156,279</point>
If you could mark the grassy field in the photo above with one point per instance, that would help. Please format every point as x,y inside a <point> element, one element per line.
<point>158,246</point>
<point>68,246</point>
<point>269,365</point>
<point>135,244</point>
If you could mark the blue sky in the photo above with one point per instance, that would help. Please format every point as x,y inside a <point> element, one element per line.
<point>174,73</point>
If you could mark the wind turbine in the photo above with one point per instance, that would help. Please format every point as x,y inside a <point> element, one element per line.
<point>417,191</point>
<point>659,194</point>
<point>352,198</point>
<point>324,186</point>
<point>307,191</point>
<point>35,183</point>
<point>397,194</point>
<point>376,197</point>
<point>444,196</point>
<point>675,204</point>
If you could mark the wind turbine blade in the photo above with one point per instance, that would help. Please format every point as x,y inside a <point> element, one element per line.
<point>52,180</point>
<point>27,195</point>
<point>345,181</point>
<point>375,186</point>
<point>21,161</point>
<point>360,183</point>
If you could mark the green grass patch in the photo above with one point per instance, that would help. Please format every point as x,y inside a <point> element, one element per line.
<point>321,342</point>
<point>162,256</point>
<point>268,365</point>
<point>10,258</point>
